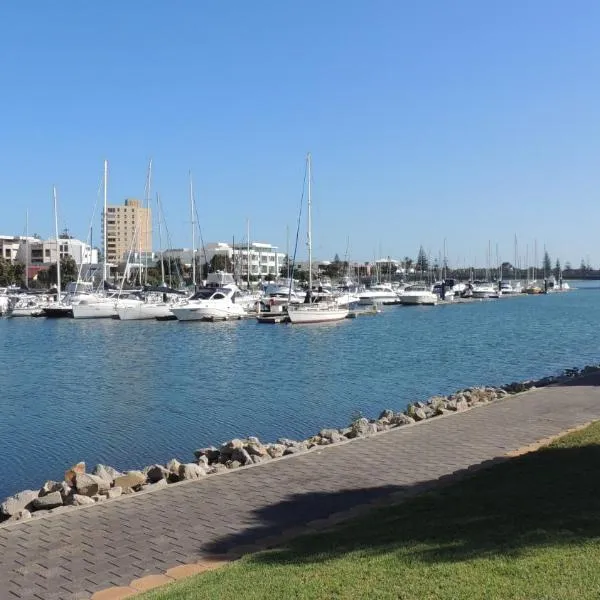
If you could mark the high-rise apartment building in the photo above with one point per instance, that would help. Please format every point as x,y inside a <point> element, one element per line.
<point>128,229</point>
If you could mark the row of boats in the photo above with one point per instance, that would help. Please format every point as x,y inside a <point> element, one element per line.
<point>221,299</point>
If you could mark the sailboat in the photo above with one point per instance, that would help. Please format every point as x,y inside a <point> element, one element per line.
<point>96,306</point>
<point>59,308</point>
<point>315,309</point>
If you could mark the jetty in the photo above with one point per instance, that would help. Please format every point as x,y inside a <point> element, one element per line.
<point>135,542</point>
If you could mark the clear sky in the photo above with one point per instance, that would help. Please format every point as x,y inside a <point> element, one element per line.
<point>468,121</point>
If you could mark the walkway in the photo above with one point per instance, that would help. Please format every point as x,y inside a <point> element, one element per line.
<point>74,554</point>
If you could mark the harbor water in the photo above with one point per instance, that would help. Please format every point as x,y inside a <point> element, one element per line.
<point>134,393</point>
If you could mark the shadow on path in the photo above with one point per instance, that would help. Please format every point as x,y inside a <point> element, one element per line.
<point>550,497</point>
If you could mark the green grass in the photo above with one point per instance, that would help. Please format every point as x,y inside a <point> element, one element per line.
<point>525,529</point>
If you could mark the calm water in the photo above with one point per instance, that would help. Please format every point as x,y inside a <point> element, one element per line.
<point>134,393</point>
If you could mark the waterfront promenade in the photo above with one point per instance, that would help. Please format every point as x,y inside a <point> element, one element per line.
<point>118,543</point>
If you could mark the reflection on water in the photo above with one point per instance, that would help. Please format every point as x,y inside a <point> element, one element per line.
<point>137,392</point>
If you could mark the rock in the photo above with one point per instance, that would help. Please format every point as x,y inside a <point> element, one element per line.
<point>276,450</point>
<point>332,435</point>
<point>15,504</point>
<point>451,404</point>
<point>191,471</point>
<point>50,486</point>
<point>89,485</point>
<point>173,466</point>
<point>233,464</point>
<point>419,414</point>
<point>242,456</point>
<point>106,473</point>
<point>79,500</point>
<point>361,428</point>
<point>383,426</point>
<point>401,419</point>
<point>203,461</point>
<point>255,448</point>
<point>98,498</point>
<point>419,405</point>
<point>155,486</point>
<point>71,474</point>
<point>217,468</point>
<point>211,453</point>
<point>51,500</point>
<point>287,442</point>
<point>386,414</point>
<point>299,447</point>
<point>157,473</point>
<point>22,515</point>
<point>115,492</point>
<point>461,405</point>
<point>228,448</point>
<point>437,402</point>
<point>260,459</point>
<point>130,481</point>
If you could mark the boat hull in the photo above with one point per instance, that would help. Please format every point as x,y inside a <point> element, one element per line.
<point>58,312</point>
<point>144,311</point>
<point>99,310</point>
<point>207,313</point>
<point>316,314</point>
<point>424,300</point>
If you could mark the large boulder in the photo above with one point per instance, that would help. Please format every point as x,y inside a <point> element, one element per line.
<point>107,473</point>
<point>242,456</point>
<point>89,485</point>
<point>114,492</point>
<point>130,482</point>
<point>52,486</point>
<point>462,405</point>
<point>332,435</point>
<point>80,500</point>
<point>71,474</point>
<point>419,414</point>
<point>191,471</point>
<point>157,473</point>
<point>385,414</point>
<point>15,504</point>
<point>228,448</point>
<point>47,502</point>
<point>276,450</point>
<point>211,453</point>
<point>361,428</point>
<point>401,419</point>
<point>255,448</point>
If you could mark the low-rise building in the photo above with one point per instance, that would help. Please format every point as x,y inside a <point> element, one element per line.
<point>45,252</point>
<point>10,244</point>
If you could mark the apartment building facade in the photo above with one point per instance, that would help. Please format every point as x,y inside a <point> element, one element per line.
<point>128,229</point>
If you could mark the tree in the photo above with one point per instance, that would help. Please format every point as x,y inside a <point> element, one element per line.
<point>583,266</point>
<point>547,264</point>
<point>557,269</point>
<point>422,261</point>
<point>68,272</point>
<point>221,262</point>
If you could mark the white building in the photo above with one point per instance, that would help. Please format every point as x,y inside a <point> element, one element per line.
<point>262,259</point>
<point>45,252</point>
<point>9,245</point>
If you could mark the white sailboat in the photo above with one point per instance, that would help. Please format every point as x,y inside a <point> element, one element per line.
<point>315,309</point>
<point>96,306</point>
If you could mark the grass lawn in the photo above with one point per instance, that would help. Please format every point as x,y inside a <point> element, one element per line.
<point>526,529</point>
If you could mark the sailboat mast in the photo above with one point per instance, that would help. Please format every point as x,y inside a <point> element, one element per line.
<point>147,232</point>
<point>27,249</point>
<point>162,261</point>
<point>193,232</point>
<point>104,218</point>
<point>57,245</point>
<point>248,251</point>
<point>309,234</point>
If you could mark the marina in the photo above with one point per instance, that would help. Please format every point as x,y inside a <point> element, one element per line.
<point>135,392</point>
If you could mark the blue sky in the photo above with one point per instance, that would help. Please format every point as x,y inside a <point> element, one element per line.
<point>465,120</point>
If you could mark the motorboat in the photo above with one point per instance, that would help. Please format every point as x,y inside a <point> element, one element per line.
<point>379,293</point>
<point>509,289</point>
<point>484,289</point>
<point>418,293</point>
<point>209,304</point>
<point>153,303</point>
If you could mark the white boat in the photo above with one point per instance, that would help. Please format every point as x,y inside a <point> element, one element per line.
<point>209,304</point>
<point>379,293</point>
<point>484,289</point>
<point>509,289</point>
<point>418,293</point>
<point>140,310</point>
<point>322,311</point>
<point>27,306</point>
<point>95,307</point>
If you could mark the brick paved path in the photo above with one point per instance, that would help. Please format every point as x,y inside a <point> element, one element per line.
<point>71,555</point>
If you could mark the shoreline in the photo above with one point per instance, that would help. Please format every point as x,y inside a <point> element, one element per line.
<point>81,488</point>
